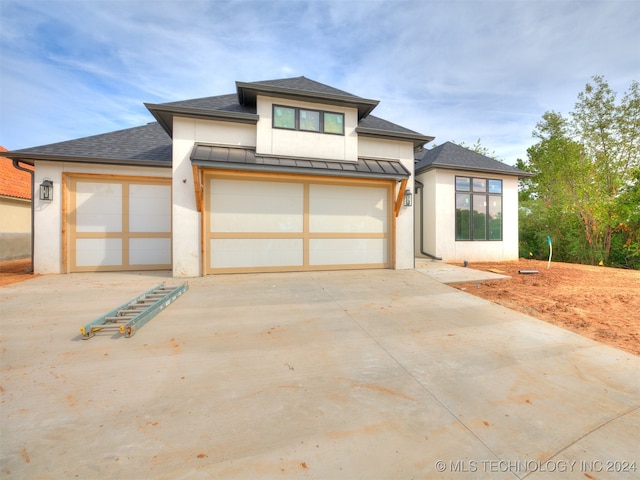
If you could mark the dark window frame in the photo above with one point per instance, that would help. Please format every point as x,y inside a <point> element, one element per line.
<point>297,111</point>
<point>473,195</point>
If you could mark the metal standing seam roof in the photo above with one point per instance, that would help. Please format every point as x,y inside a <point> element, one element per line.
<point>454,157</point>
<point>236,158</point>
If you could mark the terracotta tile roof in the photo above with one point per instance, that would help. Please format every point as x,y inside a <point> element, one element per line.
<point>13,182</point>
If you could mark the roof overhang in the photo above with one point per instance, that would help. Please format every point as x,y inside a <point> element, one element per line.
<point>31,158</point>
<point>245,159</point>
<point>417,139</point>
<point>248,92</point>
<point>164,115</point>
<point>495,171</point>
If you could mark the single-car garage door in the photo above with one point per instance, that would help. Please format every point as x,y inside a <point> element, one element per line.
<point>118,223</point>
<point>278,223</point>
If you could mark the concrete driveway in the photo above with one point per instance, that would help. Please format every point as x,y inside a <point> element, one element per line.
<point>329,375</point>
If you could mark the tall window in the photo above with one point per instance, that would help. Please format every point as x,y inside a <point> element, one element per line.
<point>478,209</point>
<point>293,118</point>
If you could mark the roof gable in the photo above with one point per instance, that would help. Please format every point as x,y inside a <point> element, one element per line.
<point>452,156</point>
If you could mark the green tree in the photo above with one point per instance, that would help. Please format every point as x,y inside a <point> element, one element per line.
<point>610,135</point>
<point>584,192</point>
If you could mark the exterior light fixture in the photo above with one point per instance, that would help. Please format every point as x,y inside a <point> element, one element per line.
<point>408,198</point>
<point>46,190</point>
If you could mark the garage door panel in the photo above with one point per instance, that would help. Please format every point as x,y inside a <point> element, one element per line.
<point>98,207</point>
<point>258,252</point>
<point>346,209</point>
<point>149,208</point>
<point>242,206</point>
<point>98,252</point>
<point>149,251</point>
<point>118,223</point>
<point>347,251</point>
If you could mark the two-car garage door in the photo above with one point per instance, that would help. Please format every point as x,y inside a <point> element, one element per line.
<point>278,223</point>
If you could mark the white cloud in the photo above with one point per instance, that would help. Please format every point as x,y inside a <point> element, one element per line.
<point>457,69</point>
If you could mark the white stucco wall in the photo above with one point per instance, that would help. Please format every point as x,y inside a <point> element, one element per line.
<point>187,248</point>
<point>439,220</point>
<point>425,211</point>
<point>48,221</point>
<point>402,151</point>
<point>294,143</point>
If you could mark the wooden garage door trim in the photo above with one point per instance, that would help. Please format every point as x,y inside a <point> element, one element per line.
<point>305,235</point>
<point>69,230</point>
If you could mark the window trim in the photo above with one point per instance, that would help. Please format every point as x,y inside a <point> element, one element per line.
<point>487,198</point>
<point>297,111</point>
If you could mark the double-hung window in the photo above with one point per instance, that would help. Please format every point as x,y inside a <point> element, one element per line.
<point>478,208</point>
<point>306,120</point>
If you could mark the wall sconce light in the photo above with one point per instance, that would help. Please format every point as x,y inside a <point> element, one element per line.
<point>408,198</point>
<point>46,190</point>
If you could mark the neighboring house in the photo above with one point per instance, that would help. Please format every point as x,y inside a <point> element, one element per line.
<point>466,206</point>
<point>282,175</point>
<point>15,211</point>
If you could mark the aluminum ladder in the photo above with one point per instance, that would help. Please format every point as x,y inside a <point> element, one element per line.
<point>131,316</point>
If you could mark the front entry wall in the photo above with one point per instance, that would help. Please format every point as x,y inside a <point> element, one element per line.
<point>118,223</point>
<point>287,223</point>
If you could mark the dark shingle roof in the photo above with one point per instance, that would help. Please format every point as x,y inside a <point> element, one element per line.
<point>304,85</point>
<point>302,88</point>
<point>223,103</point>
<point>151,144</point>
<point>378,127</point>
<point>241,107</point>
<point>452,156</point>
<point>147,145</point>
<point>238,158</point>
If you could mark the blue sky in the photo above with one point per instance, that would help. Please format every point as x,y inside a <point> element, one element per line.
<point>457,70</point>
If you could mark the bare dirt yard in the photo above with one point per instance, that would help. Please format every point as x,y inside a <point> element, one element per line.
<point>598,302</point>
<point>14,271</point>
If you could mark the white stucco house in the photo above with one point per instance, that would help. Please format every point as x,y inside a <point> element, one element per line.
<point>466,205</point>
<point>281,175</point>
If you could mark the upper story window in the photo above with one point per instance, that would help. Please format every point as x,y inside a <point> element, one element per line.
<point>294,118</point>
<point>478,209</point>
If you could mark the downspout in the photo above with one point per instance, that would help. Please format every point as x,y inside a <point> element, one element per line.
<point>16,164</point>
<point>433,257</point>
